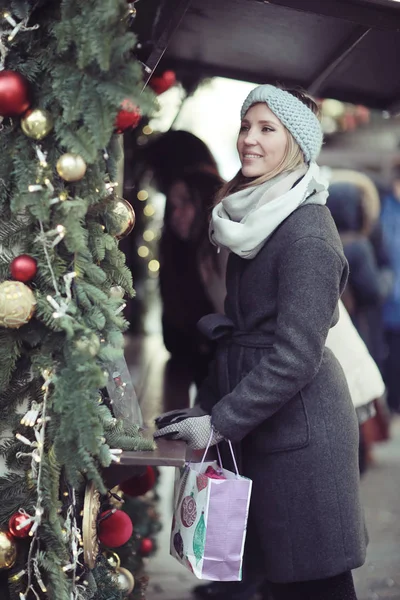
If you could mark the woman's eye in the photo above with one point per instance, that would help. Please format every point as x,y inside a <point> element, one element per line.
<point>267,129</point>
<point>243,128</point>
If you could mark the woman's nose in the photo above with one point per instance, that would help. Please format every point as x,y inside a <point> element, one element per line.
<point>249,140</point>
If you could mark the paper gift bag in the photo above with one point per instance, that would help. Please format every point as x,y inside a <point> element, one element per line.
<point>210,521</point>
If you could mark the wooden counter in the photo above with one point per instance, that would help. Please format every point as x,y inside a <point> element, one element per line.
<point>168,453</point>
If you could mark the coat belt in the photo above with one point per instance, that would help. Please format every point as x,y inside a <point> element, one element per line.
<point>221,328</point>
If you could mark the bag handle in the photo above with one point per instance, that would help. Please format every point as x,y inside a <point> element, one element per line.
<point>219,454</point>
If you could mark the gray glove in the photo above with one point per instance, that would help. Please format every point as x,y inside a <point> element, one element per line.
<point>175,416</point>
<point>196,431</point>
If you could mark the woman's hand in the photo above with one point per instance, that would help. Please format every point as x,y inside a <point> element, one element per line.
<point>176,416</point>
<point>197,432</point>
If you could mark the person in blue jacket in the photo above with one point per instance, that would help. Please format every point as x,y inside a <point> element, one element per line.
<point>390,220</point>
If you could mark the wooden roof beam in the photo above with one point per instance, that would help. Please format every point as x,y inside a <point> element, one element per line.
<point>176,10</point>
<point>379,14</point>
<point>337,58</point>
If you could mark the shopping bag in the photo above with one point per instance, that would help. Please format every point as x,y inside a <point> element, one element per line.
<point>210,520</point>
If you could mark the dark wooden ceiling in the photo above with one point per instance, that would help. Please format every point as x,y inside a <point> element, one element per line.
<point>344,49</point>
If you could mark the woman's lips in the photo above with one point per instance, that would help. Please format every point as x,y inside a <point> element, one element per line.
<point>250,157</point>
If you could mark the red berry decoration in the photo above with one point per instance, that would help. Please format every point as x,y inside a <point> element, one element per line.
<point>146,546</point>
<point>138,486</point>
<point>14,524</point>
<point>116,528</point>
<point>128,117</point>
<point>163,83</point>
<point>14,94</point>
<point>23,268</point>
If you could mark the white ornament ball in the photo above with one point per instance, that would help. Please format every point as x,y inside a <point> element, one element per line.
<point>17,304</point>
<point>117,291</point>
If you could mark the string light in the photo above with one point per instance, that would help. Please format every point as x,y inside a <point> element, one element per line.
<point>36,473</point>
<point>142,195</point>
<point>115,454</point>
<point>31,416</point>
<point>10,34</point>
<point>35,188</point>
<point>154,266</point>
<point>73,537</point>
<point>148,235</point>
<point>149,210</point>
<point>143,251</point>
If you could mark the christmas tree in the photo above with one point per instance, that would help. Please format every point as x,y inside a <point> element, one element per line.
<point>69,84</point>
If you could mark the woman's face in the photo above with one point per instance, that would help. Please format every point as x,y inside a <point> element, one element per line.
<point>182,210</point>
<point>261,142</point>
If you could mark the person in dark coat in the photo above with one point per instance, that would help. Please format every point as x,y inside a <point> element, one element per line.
<point>369,281</point>
<point>274,389</point>
<point>192,275</point>
<point>390,220</point>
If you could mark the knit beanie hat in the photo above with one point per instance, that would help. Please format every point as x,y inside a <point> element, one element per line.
<point>300,120</point>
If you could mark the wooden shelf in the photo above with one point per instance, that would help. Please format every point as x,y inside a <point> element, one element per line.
<point>169,453</point>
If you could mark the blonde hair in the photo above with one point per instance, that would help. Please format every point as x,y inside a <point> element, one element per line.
<point>292,159</point>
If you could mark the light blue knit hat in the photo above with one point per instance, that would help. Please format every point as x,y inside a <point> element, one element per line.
<point>302,123</point>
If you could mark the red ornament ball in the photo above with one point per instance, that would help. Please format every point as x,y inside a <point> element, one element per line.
<point>163,83</point>
<point>15,521</point>
<point>138,486</point>
<point>128,117</point>
<point>116,529</point>
<point>23,268</point>
<point>14,94</point>
<point>146,546</point>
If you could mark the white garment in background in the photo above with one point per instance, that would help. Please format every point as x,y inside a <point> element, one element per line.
<point>363,376</point>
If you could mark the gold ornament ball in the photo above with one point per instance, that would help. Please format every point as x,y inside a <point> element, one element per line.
<point>71,167</point>
<point>88,344</point>
<point>8,550</point>
<point>122,219</point>
<point>37,123</point>
<point>113,559</point>
<point>91,509</point>
<point>117,291</point>
<point>17,304</point>
<point>124,580</point>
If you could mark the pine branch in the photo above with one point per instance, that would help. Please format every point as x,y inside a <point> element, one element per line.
<point>9,353</point>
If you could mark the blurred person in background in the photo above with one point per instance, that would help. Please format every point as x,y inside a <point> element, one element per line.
<point>364,380</point>
<point>354,204</point>
<point>192,274</point>
<point>390,220</point>
<point>169,154</point>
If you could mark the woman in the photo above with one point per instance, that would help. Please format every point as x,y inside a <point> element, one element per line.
<point>275,389</point>
<point>192,276</point>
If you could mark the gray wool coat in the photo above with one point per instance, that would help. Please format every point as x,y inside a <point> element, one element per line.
<point>281,395</point>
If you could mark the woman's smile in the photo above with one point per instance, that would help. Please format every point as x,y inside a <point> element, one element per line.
<point>251,156</point>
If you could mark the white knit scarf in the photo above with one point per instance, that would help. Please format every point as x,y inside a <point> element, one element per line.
<point>245,220</point>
